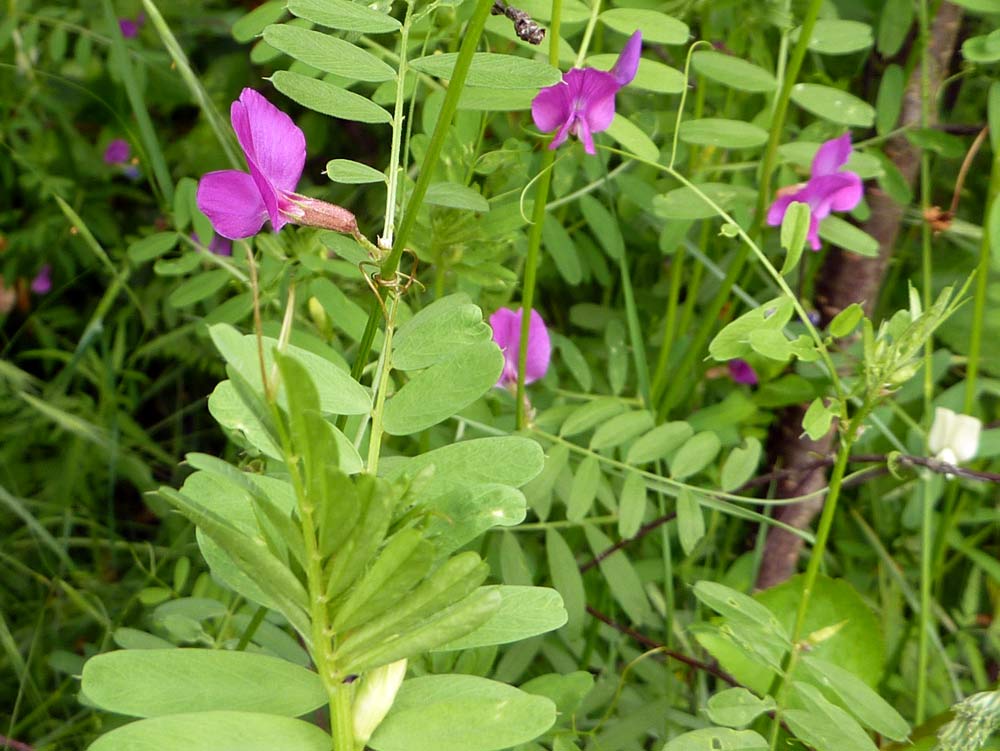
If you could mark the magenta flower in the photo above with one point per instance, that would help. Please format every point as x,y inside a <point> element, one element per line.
<point>829,188</point>
<point>42,283</point>
<point>117,152</point>
<point>506,325</point>
<point>220,245</point>
<point>238,203</point>
<point>742,372</point>
<point>583,103</point>
<point>130,28</point>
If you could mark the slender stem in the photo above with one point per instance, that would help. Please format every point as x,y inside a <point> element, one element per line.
<point>927,270</point>
<point>397,132</point>
<point>812,571</point>
<point>588,33</point>
<point>472,34</point>
<point>535,236</point>
<point>381,384</point>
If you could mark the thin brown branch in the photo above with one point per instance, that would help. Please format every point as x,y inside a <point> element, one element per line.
<point>6,742</point>
<point>653,644</point>
<point>644,530</point>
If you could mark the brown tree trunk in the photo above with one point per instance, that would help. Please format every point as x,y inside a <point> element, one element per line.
<point>844,279</point>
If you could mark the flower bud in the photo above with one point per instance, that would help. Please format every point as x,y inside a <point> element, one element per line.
<point>954,438</point>
<point>315,213</point>
<point>375,698</point>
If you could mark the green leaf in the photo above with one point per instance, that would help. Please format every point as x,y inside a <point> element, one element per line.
<point>736,707</point>
<point>436,332</point>
<point>621,578</point>
<point>656,27</point>
<point>690,521</point>
<point>590,415</point>
<point>442,390</point>
<point>846,320</point>
<point>253,23</point>
<point>734,339</point>
<point>584,489</point>
<point>456,196</point>
<point>198,288</point>
<point>980,6</point>
<point>352,173</point>
<point>631,504</point>
<point>732,71</point>
<point>328,53</point>
<point>658,443</point>
<point>567,691</point>
<point>740,609</point>
<point>631,138</point>
<point>344,15</point>
<point>461,515</point>
<point>685,203</point>
<point>651,75</point>
<point>488,99</point>
<point>211,731</point>
<point>561,248</point>
<point>152,247</point>
<point>603,225</point>
<point>696,454</point>
<point>825,726</point>
<point>817,420</point>
<point>620,429</point>
<point>461,713</point>
<point>154,682</point>
<point>770,343</point>
<point>508,460</point>
<point>413,639</point>
<point>889,101</point>
<point>794,231</point>
<point>338,393</point>
<point>524,612</point>
<point>565,573</point>
<point>834,105</point>
<point>894,25</point>
<point>833,36</point>
<point>982,49</point>
<point>740,465</point>
<point>727,134</point>
<point>492,70</point>
<point>328,99</point>
<point>857,697</point>
<point>717,739</point>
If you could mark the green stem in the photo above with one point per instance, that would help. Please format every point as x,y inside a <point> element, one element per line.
<point>535,235</point>
<point>927,270</point>
<point>397,132</point>
<point>469,43</point>
<point>382,384</point>
<point>812,571</point>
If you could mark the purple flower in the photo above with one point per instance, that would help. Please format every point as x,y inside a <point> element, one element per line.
<point>130,28</point>
<point>42,283</point>
<point>829,188</point>
<point>742,372</point>
<point>506,325</point>
<point>117,152</point>
<point>238,203</point>
<point>583,103</point>
<point>220,245</point>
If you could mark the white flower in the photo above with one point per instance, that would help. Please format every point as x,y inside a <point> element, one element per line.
<point>375,697</point>
<point>954,438</point>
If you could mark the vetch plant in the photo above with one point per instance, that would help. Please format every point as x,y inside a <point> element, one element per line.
<point>583,103</point>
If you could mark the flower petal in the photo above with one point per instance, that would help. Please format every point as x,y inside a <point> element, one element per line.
<point>941,429</point>
<point>965,436</point>
<point>551,107</point>
<point>832,155</point>
<point>776,214</point>
<point>837,192</point>
<point>506,325</point>
<point>585,135</point>
<point>628,61</point>
<point>117,152</point>
<point>42,283</point>
<point>232,202</point>
<point>270,139</point>
<point>539,348</point>
<point>742,372</point>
